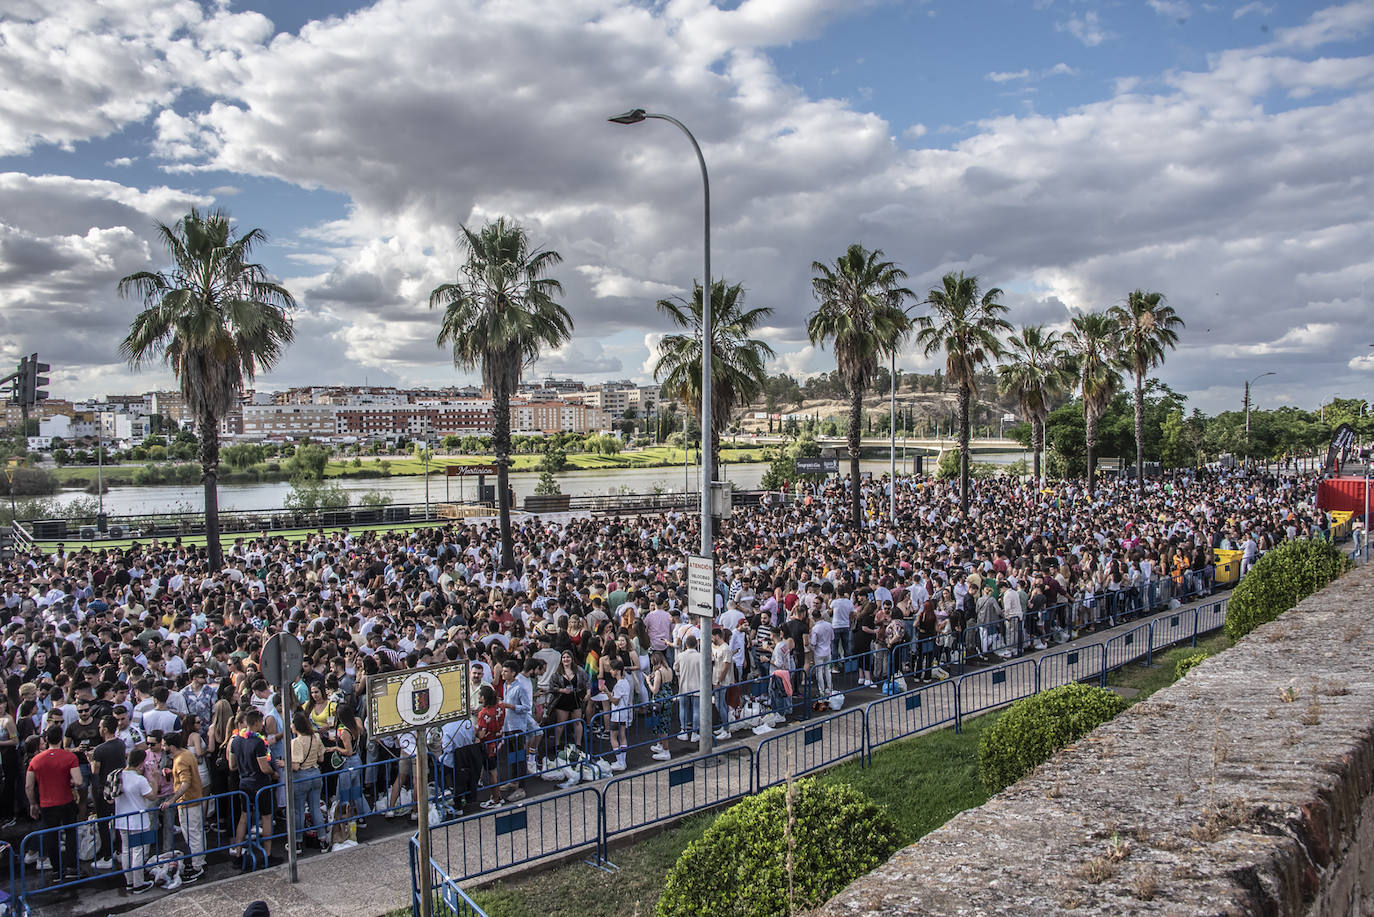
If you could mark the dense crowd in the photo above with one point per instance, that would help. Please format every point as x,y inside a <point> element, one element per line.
<point>133,693</point>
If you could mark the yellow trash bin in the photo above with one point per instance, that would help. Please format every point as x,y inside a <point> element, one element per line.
<point>1228,566</point>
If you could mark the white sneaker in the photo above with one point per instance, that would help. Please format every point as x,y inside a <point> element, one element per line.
<point>723,734</point>
<point>696,737</point>
<point>31,858</point>
<point>618,766</point>
<point>682,736</point>
<point>656,747</point>
<point>661,756</point>
<point>763,729</point>
<point>104,864</point>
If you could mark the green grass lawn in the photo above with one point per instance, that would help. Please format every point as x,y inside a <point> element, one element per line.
<point>651,457</point>
<point>1147,680</point>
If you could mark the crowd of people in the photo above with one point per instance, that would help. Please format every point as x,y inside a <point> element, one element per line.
<point>134,697</point>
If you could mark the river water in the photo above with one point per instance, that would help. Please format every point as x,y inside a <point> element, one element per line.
<point>411,489</point>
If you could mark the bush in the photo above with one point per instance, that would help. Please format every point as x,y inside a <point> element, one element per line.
<point>1188,663</point>
<point>1035,728</point>
<point>738,868</point>
<point>1281,579</point>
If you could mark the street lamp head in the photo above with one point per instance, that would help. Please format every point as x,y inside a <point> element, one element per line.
<point>634,116</point>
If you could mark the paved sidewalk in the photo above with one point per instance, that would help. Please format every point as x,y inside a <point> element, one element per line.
<point>374,878</point>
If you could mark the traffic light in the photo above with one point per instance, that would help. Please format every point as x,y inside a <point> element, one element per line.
<point>19,382</point>
<point>36,380</point>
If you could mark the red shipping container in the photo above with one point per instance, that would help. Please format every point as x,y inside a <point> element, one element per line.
<point>1341,494</point>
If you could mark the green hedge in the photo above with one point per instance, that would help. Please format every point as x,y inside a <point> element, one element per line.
<point>738,867</point>
<point>1035,728</point>
<point>1281,579</point>
<point>1188,663</point>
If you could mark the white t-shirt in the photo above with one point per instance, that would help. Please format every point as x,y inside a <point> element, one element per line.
<point>131,802</point>
<point>622,696</point>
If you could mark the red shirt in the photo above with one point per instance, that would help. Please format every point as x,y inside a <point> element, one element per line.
<point>52,771</point>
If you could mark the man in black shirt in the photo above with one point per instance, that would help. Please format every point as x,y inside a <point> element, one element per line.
<point>250,759</point>
<point>107,758</point>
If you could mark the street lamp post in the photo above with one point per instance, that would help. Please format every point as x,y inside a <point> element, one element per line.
<point>635,116</point>
<point>1247,409</point>
<point>892,457</point>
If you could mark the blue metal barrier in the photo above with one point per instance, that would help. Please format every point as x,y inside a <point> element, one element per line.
<point>1071,665</point>
<point>672,790</point>
<point>377,778</point>
<point>903,715</point>
<point>647,725</point>
<point>1128,647</point>
<point>809,748</point>
<point>1175,626</point>
<point>1211,616</point>
<point>996,686</point>
<point>31,878</point>
<point>445,890</point>
<point>490,841</point>
<point>846,679</point>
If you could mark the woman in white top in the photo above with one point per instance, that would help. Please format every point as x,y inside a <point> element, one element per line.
<point>136,796</point>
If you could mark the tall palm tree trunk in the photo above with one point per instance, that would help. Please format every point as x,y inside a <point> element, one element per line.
<point>500,440</point>
<point>1140,433</point>
<point>856,413</point>
<point>965,396</point>
<point>1037,445</point>
<point>209,476</point>
<point>1090,431</point>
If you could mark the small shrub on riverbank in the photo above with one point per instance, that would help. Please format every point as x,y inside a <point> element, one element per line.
<point>1281,579</point>
<point>1036,727</point>
<point>743,867</point>
<point>1188,663</point>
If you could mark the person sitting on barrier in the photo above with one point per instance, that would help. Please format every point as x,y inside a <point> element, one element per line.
<point>660,712</point>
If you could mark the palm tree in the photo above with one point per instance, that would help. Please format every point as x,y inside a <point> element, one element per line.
<point>738,374</point>
<point>1036,375</point>
<point>1148,328</point>
<point>1094,344</point>
<point>965,326</point>
<point>499,315</point>
<point>861,311</point>
<point>215,318</point>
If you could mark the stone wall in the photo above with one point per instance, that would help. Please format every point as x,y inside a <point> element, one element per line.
<point>1246,788</point>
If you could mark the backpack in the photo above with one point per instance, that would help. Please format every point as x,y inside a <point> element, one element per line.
<point>114,786</point>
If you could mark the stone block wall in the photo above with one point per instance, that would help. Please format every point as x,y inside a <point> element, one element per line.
<point>1246,788</point>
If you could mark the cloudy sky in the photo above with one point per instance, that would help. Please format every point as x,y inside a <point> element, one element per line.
<point>1067,151</point>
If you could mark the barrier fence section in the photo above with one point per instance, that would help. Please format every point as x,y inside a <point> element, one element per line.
<point>646,798</point>
<point>809,748</point>
<point>1072,665</point>
<point>1211,616</point>
<point>7,899</point>
<point>903,715</point>
<point>55,845</point>
<point>1128,647</point>
<point>375,788</point>
<point>443,890</point>
<point>539,827</point>
<point>996,686</point>
<point>1172,627</point>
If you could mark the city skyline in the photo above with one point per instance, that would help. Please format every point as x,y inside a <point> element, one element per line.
<point>1066,152</point>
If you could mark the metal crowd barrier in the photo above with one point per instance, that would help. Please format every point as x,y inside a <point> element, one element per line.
<point>672,790</point>
<point>903,715</point>
<point>809,748</point>
<point>543,826</point>
<point>643,728</point>
<point>444,889</point>
<point>1001,684</point>
<point>1128,647</point>
<point>33,881</point>
<point>1071,665</point>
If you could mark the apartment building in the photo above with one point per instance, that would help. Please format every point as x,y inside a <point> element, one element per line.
<point>555,417</point>
<point>288,421</point>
